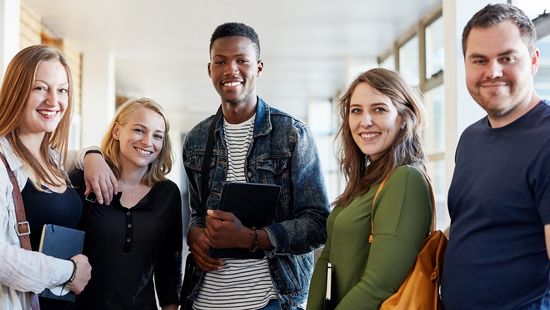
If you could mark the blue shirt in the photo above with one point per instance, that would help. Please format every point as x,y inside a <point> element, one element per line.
<point>499,202</point>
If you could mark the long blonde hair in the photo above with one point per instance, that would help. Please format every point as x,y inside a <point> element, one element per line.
<point>110,147</point>
<point>15,91</point>
<point>406,149</point>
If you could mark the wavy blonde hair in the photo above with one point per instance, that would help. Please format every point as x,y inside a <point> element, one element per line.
<point>110,147</point>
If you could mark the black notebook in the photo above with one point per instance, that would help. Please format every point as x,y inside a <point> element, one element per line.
<point>254,205</point>
<point>64,243</point>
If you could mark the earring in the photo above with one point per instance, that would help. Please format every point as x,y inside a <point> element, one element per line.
<point>402,126</point>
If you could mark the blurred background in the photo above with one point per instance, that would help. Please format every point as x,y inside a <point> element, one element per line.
<point>311,49</point>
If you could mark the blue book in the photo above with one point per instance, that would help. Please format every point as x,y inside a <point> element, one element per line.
<point>63,243</point>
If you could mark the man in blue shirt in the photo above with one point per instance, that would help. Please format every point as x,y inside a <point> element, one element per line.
<point>499,199</point>
<point>254,143</point>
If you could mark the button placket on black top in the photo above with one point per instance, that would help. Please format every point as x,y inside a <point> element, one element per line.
<point>128,238</point>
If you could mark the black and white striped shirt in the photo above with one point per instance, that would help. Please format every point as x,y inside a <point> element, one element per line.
<point>242,283</point>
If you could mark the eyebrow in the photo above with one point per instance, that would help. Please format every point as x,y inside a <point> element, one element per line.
<point>141,125</point>
<point>505,53</point>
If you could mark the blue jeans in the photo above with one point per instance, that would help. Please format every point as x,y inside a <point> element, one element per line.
<point>272,305</point>
<point>543,304</point>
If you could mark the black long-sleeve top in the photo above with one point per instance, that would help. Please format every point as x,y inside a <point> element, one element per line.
<point>127,246</point>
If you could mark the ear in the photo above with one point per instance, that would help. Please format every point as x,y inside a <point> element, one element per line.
<point>260,67</point>
<point>209,69</point>
<point>115,133</point>
<point>535,57</point>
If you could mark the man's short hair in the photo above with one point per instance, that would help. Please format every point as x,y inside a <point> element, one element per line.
<point>494,14</point>
<point>236,30</point>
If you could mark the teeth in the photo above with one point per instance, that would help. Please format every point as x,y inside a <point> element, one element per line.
<point>232,84</point>
<point>369,135</point>
<point>144,152</point>
<point>47,113</point>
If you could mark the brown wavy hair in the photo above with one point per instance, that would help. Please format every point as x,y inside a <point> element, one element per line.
<point>405,150</point>
<point>110,147</point>
<point>16,88</point>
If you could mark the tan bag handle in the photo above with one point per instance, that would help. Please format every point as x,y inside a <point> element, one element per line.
<point>371,236</point>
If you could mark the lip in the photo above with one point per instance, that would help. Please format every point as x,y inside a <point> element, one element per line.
<point>143,152</point>
<point>369,136</point>
<point>48,113</point>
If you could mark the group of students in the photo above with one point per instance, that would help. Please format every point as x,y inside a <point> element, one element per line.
<point>499,200</point>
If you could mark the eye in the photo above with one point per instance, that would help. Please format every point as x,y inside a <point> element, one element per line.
<point>138,130</point>
<point>63,91</point>
<point>40,88</point>
<point>158,137</point>
<point>242,61</point>
<point>479,61</point>
<point>379,110</point>
<point>508,59</point>
<point>354,110</point>
<point>218,62</point>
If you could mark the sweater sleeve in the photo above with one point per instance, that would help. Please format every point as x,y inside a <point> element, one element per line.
<point>402,220</point>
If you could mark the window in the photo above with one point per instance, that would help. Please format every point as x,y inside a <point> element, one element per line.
<point>408,61</point>
<point>435,53</point>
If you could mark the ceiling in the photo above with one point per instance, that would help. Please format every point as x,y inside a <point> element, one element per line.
<point>161,47</point>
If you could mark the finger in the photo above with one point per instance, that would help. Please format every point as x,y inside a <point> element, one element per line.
<point>114,183</point>
<point>88,187</point>
<point>220,215</point>
<point>97,191</point>
<point>107,195</point>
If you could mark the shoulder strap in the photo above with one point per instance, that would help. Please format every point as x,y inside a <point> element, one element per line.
<point>371,236</point>
<point>205,172</point>
<point>22,227</point>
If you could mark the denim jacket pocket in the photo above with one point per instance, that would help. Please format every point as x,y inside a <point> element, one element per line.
<point>271,170</point>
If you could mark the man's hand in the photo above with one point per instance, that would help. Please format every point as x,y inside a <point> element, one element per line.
<point>224,230</point>
<point>99,178</point>
<point>199,246</point>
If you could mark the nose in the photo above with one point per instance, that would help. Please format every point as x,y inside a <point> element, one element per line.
<point>494,70</point>
<point>146,139</point>
<point>52,98</point>
<point>231,67</point>
<point>366,120</point>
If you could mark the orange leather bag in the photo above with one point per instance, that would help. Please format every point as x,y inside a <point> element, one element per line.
<point>420,290</point>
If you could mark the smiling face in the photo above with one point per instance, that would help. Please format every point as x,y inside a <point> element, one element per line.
<point>48,99</point>
<point>499,72</point>
<point>140,138</point>
<point>234,68</point>
<point>373,120</point>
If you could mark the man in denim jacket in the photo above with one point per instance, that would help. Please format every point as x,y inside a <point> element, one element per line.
<point>275,148</point>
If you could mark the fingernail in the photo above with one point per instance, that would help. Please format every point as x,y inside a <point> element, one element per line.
<point>210,212</point>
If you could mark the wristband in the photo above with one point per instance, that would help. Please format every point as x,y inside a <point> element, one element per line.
<point>73,275</point>
<point>93,151</point>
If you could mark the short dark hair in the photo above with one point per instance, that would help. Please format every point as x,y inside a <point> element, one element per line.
<point>236,30</point>
<point>493,14</point>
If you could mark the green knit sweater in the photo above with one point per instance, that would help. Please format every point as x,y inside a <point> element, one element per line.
<point>364,274</point>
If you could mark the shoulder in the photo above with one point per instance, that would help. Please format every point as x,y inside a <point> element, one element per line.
<point>409,175</point>
<point>199,132</point>
<point>167,186</point>
<point>280,117</point>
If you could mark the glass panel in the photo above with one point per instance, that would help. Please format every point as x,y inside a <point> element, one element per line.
<point>532,8</point>
<point>542,79</point>
<point>435,53</point>
<point>388,63</point>
<point>408,61</point>
<point>436,171</point>
<point>434,134</point>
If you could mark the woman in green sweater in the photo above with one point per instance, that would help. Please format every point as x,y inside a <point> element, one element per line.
<point>381,140</point>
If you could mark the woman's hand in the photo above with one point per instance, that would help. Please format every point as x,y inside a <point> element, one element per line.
<point>83,273</point>
<point>99,178</point>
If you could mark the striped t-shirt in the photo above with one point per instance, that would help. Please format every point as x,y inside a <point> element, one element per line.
<point>241,283</point>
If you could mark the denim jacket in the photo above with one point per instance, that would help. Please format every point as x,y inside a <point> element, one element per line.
<point>282,152</point>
